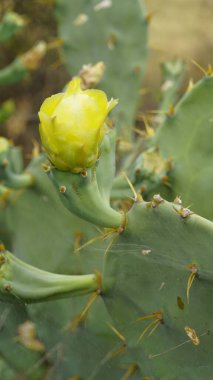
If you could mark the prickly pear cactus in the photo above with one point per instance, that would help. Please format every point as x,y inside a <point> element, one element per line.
<point>146,290</point>
<point>160,267</point>
<point>178,160</point>
<point>114,32</point>
<point>95,282</point>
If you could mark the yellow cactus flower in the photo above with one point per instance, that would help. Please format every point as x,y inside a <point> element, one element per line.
<point>4,144</point>
<point>72,126</point>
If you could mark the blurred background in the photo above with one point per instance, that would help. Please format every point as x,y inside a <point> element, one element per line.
<point>177,29</point>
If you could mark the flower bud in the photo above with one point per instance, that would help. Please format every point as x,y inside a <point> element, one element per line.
<point>72,126</point>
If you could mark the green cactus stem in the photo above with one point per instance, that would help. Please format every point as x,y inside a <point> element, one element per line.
<point>11,167</point>
<point>21,281</point>
<point>80,194</point>
<point>17,181</point>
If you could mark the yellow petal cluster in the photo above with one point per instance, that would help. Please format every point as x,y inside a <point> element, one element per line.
<point>72,126</point>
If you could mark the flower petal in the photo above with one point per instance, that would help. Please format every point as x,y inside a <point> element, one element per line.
<point>46,128</point>
<point>73,87</point>
<point>72,126</point>
<point>99,98</point>
<point>49,105</point>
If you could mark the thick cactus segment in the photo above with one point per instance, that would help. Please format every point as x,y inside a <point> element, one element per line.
<point>28,237</point>
<point>39,244</point>
<point>24,282</point>
<point>161,256</point>
<point>10,165</point>
<point>90,350</point>
<point>17,181</point>
<point>186,137</point>
<point>115,34</point>
<point>80,194</point>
